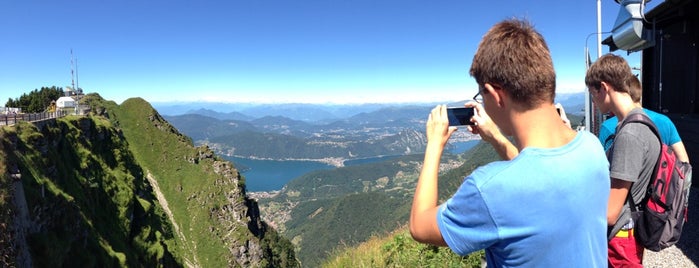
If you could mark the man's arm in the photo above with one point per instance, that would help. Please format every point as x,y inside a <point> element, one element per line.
<point>680,151</point>
<point>423,215</point>
<point>617,198</point>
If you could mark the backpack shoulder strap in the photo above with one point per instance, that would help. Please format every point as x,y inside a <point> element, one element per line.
<point>643,119</point>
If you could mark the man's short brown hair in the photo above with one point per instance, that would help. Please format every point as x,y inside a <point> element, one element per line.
<point>611,69</point>
<point>635,89</point>
<point>515,57</point>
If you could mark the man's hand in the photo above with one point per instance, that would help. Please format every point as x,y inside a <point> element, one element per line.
<point>489,132</point>
<point>438,129</point>
<point>483,125</point>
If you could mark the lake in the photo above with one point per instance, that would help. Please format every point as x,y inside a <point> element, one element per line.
<point>272,175</point>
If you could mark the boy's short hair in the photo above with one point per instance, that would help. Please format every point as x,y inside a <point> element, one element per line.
<point>635,89</point>
<point>611,69</point>
<point>515,57</point>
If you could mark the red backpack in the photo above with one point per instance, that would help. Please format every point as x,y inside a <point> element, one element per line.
<point>659,218</point>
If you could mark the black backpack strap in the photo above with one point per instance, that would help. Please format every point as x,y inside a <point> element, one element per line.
<point>643,119</point>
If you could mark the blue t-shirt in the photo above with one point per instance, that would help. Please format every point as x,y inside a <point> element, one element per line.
<point>667,130</point>
<point>545,208</point>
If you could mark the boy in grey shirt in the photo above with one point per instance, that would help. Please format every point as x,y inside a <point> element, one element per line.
<point>632,158</point>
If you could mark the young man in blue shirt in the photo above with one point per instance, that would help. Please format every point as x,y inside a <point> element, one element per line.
<point>547,205</point>
<point>668,131</point>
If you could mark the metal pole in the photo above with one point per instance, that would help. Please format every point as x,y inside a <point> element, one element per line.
<point>590,113</point>
<point>599,28</point>
<point>588,102</point>
<point>595,118</point>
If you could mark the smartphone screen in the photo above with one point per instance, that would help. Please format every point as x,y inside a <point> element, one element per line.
<point>460,116</point>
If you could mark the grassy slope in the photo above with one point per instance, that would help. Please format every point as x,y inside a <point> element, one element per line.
<point>7,211</point>
<point>84,193</point>
<point>86,186</point>
<point>211,210</point>
<point>158,150</point>
<point>398,249</point>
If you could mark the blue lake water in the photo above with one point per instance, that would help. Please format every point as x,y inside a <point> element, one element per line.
<point>461,147</point>
<point>272,175</point>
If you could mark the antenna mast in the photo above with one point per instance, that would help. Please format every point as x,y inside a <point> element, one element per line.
<point>77,80</point>
<point>72,76</point>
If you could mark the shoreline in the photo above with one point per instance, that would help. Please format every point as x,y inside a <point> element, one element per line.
<point>333,161</point>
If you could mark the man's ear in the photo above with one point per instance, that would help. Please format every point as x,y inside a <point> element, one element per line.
<point>497,93</point>
<point>604,87</point>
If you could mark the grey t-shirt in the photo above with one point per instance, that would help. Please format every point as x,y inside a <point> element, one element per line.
<point>633,158</point>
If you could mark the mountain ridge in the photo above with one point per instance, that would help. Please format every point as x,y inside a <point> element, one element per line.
<point>87,187</point>
<point>573,102</point>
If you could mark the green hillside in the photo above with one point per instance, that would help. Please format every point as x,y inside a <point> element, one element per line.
<point>82,194</point>
<point>124,186</point>
<point>397,248</point>
<point>330,209</point>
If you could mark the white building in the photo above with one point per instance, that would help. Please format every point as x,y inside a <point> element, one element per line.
<point>65,102</point>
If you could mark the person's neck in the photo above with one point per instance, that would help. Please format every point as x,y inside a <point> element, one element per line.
<point>622,105</point>
<point>540,127</point>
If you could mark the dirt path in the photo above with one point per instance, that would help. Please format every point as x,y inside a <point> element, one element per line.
<point>163,203</point>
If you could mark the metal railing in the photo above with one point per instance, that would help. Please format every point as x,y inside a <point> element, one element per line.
<point>11,119</point>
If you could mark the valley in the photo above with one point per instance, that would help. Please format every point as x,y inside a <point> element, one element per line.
<point>371,161</point>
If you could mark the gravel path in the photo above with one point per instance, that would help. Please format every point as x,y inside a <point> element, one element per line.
<point>686,252</point>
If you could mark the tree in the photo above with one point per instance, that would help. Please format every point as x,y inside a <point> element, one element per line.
<point>37,100</point>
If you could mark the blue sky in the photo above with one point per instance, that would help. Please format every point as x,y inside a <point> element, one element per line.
<point>315,51</point>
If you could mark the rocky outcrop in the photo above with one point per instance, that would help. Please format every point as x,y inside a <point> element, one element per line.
<point>230,216</point>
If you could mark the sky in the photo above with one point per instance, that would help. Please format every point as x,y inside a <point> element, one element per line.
<point>278,51</point>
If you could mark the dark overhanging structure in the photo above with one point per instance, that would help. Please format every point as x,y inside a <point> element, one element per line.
<point>668,39</point>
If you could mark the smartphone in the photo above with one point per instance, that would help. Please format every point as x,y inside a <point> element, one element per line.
<point>460,116</point>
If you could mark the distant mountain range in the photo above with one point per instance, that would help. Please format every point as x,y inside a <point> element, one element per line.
<point>573,103</point>
<point>315,131</point>
<point>248,111</point>
<point>387,131</point>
